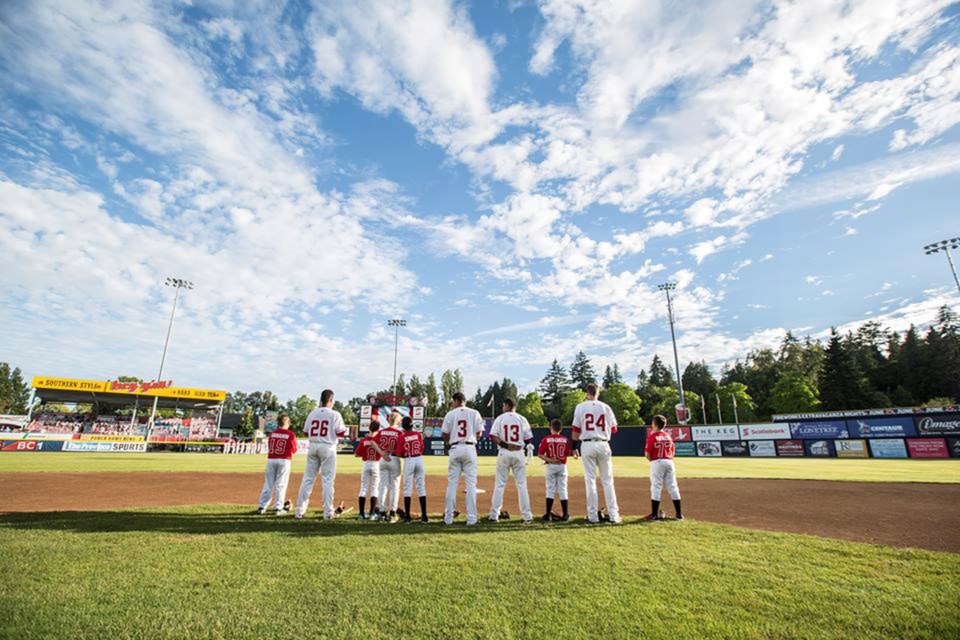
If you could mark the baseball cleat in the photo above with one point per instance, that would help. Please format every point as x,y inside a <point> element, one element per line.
<point>565,517</point>
<point>650,517</point>
<point>260,511</point>
<point>679,516</point>
<point>547,517</point>
<point>504,515</point>
<point>424,519</point>
<point>530,521</point>
<point>455,513</point>
<point>287,505</point>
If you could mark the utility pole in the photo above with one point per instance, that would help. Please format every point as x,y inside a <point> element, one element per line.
<point>396,323</point>
<point>667,288</point>
<point>177,284</point>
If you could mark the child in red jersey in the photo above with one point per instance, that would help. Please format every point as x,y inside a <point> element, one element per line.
<point>370,452</point>
<point>281,445</point>
<point>553,450</point>
<point>659,451</point>
<point>410,448</point>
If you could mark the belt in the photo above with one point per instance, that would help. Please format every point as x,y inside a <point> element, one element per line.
<point>511,447</point>
<point>557,464</point>
<point>412,457</point>
<point>593,440</point>
<point>466,444</point>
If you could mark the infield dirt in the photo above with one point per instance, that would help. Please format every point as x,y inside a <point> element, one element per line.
<point>918,515</point>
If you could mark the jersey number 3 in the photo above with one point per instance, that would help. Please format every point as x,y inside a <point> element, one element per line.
<point>461,428</point>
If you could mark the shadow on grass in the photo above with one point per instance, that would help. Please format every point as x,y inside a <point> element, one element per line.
<point>211,523</point>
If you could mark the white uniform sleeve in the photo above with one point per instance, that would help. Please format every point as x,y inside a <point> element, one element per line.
<point>611,417</point>
<point>447,423</point>
<point>341,428</point>
<point>478,424</point>
<point>495,429</point>
<point>527,431</point>
<point>306,423</point>
<point>578,416</point>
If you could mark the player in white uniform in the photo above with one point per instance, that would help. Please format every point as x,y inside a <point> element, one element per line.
<point>390,471</point>
<point>324,427</point>
<point>462,429</point>
<point>510,432</point>
<point>593,424</point>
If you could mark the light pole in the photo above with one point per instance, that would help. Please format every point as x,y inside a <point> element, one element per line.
<point>396,323</point>
<point>667,287</point>
<point>177,284</point>
<point>945,246</point>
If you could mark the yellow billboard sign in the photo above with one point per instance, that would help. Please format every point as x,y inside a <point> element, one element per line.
<point>159,388</point>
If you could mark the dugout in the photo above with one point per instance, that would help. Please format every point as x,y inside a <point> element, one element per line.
<point>139,397</point>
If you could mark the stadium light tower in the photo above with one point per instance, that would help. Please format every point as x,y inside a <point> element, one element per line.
<point>667,287</point>
<point>945,246</point>
<point>396,323</point>
<point>177,284</point>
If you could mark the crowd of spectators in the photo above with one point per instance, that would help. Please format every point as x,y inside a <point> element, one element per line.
<point>197,428</point>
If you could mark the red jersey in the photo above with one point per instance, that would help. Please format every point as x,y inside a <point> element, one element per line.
<point>411,444</point>
<point>282,443</point>
<point>659,446</point>
<point>556,446</point>
<point>365,452</point>
<point>387,439</point>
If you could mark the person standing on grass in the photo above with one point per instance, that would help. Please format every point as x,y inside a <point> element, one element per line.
<point>593,424</point>
<point>281,445</point>
<point>324,427</point>
<point>390,472</point>
<point>510,432</point>
<point>660,451</point>
<point>554,449</point>
<point>462,429</point>
<point>410,448</point>
<point>371,454</point>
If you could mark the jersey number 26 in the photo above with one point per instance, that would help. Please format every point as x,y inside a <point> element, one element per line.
<point>318,428</point>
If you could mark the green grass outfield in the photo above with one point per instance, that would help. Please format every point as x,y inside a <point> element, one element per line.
<point>793,469</point>
<point>211,572</point>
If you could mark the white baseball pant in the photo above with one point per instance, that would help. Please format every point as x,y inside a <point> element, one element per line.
<point>390,475</point>
<point>556,478</point>
<point>370,479</point>
<point>322,458</point>
<point>598,461</point>
<point>516,462</point>
<point>275,480</point>
<point>414,472</point>
<point>663,472</point>
<point>463,460</point>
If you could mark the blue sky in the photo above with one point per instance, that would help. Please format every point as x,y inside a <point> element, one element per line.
<point>514,178</point>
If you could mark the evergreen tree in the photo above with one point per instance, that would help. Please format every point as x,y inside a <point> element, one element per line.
<point>554,385</point>
<point>697,377</point>
<point>611,376</point>
<point>660,375</point>
<point>433,396</point>
<point>843,385</point>
<point>581,371</point>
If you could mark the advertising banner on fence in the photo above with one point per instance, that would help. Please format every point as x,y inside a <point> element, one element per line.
<point>769,431</point>
<point>763,449</point>
<point>31,445</point>
<point>708,449</point>
<point>881,427</point>
<point>685,449</point>
<point>94,437</point>
<point>790,448</point>
<point>102,447</point>
<point>953,445</point>
<point>820,448</point>
<point>927,447</point>
<point>734,448</point>
<point>679,434</point>
<point>729,432</point>
<point>893,448</point>
<point>851,448</point>
<point>938,425</point>
<point>821,429</point>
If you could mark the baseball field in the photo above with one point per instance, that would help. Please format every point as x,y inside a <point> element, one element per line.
<point>166,546</point>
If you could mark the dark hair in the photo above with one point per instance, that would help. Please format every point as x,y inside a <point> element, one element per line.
<point>281,418</point>
<point>556,425</point>
<point>325,397</point>
<point>659,421</point>
<point>510,402</point>
<point>407,423</point>
<point>374,425</point>
<point>459,397</point>
<point>592,389</point>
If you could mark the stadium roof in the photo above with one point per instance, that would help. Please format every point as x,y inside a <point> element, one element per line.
<point>73,390</point>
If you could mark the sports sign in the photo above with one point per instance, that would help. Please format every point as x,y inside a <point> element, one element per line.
<point>734,448</point>
<point>685,449</point>
<point>160,388</point>
<point>771,431</point>
<point>790,448</point>
<point>763,449</point>
<point>892,448</point>
<point>953,445</point>
<point>865,413</point>
<point>679,434</point>
<point>819,448</point>
<point>716,433</point>
<point>821,429</point>
<point>938,425</point>
<point>881,427</point>
<point>927,448</point>
<point>851,448</point>
<point>708,449</point>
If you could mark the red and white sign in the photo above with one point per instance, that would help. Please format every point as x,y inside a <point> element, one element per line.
<point>679,434</point>
<point>790,448</point>
<point>20,445</point>
<point>770,431</point>
<point>928,447</point>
